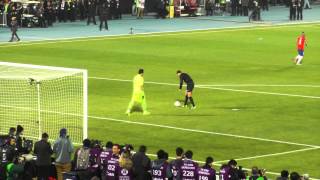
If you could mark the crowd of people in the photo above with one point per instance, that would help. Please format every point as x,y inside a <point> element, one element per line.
<point>45,13</point>
<point>92,161</point>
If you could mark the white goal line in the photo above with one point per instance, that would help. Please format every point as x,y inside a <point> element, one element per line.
<point>213,88</point>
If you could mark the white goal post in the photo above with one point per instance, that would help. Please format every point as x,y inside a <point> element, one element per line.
<point>44,99</point>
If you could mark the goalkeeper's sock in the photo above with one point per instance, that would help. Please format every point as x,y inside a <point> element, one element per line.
<point>186,100</point>
<point>191,100</point>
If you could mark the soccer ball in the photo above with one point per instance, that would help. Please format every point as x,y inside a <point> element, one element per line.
<point>177,103</point>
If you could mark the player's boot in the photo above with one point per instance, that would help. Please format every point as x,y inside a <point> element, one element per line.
<point>146,113</point>
<point>193,107</point>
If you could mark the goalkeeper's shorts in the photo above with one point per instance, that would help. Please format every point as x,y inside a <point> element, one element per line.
<point>138,96</point>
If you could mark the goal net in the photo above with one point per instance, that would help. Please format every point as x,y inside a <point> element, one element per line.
<point>43,99</point>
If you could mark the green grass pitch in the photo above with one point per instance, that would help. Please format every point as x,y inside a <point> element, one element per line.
<point>260,56</point>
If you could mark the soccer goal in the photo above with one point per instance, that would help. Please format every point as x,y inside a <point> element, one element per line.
<point>43,99</point>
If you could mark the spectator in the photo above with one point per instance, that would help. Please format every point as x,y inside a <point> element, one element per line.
<point>245,5</point>
<point>284,175</point>
<point>12,132</point>
<point>295,176</point>
<point>306,4</point>
<point>188,168</point>
<point>206,171</point>
<point>209,7</point>
<point>103,16</point>
<point>62,149</point>
<point>109,168</point>
<point>141,164</point>
<point>14,28</point>
<point>91,12</point>
<point>160,168</point>
<point>43,151</point>
<point>293,10</point>
<point>124,170</point>
<point>299,9</point>
<point>14,168</point>
<point>254,173</point>
<point>104,156</point>
<point>229,171</point>
<point>175,164</point>
<point>81,157</point>
<point>140,6</point>
<point>262,173</point>
<point>95,152</point>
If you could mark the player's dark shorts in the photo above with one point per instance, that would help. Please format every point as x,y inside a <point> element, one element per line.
<point>190,87</point>
<point>300,52</point>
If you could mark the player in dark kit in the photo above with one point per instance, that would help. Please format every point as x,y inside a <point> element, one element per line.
<point>184,77</point>
<point>206,171</point>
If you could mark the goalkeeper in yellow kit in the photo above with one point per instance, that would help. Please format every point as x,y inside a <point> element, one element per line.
<point>138,96</point>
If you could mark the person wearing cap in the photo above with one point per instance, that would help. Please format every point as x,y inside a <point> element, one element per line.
<point>138,97</point>
<point>62,149</point>
<point>14,29</point>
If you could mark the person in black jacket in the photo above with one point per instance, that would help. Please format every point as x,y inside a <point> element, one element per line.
<point>43,151</point>
<point>141,164</point>
<point>91,12</point>
<point>293,9</point>
<point>103,15</point>
<point>19,127</point>
<point>299,9</point>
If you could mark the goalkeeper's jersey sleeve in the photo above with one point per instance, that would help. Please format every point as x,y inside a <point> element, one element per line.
<point>138,83</point>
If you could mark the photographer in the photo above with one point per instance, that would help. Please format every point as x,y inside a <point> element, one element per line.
<point>14,168</point>
<point>12,132</point>
<point>19,138</point>
<point>43,151</point>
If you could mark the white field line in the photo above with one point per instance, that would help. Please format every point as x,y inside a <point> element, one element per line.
<point>260,85</point>
<point>214,88</point>
<point>154,34</point>
<point>270,155</point>
<point>203,131</point>
<point>262,92</point>
<point>171,127</point>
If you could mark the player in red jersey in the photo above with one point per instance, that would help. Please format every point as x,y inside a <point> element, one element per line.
<point>301,43</point>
